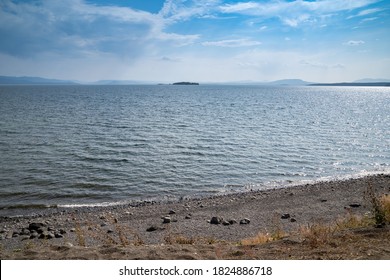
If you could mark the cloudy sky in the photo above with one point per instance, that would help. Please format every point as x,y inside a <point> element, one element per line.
<point>202,40</point>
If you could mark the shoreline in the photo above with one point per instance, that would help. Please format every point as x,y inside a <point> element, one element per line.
<point>150,224</point>
<point>37,210</point>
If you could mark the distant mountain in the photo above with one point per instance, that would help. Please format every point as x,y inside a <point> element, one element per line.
<point>9,80</point>
<point>360,84</point>
<point>289,82</point>
<point>372,81</point>
<point>121,82</point>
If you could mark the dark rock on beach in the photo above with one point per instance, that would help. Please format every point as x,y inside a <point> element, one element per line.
<point>245,221</point>
<point>216,220</point>
<point>285,216</point>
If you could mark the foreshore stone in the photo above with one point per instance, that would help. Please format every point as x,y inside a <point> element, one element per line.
<point>354,205</point>
<point>216,220</point>
<point>154,228</point>
<point>245,221</point>
<point>35,226</point>
<point>285,216</point>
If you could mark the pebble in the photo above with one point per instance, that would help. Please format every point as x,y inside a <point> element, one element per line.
<point>35,226</point>
<point>216,220</point>
<point>244,221</point>
<point>167,220</point>
<point>154,228</point>
<point>285,216</point>
<point>171,212</point>
<point>34,235</point>
<point>293,220</point>
<point>354,205</point>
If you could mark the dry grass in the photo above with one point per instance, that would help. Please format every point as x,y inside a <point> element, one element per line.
<point>384,201</point>
<point>260,238</point>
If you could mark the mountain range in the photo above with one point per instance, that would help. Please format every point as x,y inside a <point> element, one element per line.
<point>10,80</point>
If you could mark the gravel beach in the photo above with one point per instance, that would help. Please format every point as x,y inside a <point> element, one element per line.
<point>204,228</point>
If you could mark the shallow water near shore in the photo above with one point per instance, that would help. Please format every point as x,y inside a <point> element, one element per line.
<point>97,145</point>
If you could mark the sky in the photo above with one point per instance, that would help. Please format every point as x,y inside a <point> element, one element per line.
<point>198,41</point>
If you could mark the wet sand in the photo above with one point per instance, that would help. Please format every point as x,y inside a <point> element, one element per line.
<point>187,229</point>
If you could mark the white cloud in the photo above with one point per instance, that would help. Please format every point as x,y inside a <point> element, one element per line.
<point>76,27</point>
<point>237,43</point>
<point>316,64</point>
<point>179,10</point>
<point>368,12</point>
<point>354,43</point>
<point>293,13</point>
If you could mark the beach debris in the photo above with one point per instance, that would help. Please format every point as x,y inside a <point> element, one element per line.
<point>245,221</point>
<point>285,216</point>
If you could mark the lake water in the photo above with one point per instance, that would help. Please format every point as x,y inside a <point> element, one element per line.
<point>95,145</point>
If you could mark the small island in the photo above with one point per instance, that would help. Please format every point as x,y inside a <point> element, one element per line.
<point>185,84</point>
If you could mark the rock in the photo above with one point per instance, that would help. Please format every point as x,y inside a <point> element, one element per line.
<point>323,200</point>
<point>216,220</point>
<point>167,220</point>
<point>25,231</point>
<point>171,212</point>
<point>188,217</point>
<point>285,216</point>
<point>154,228</point>
<point>42,236</point>
<point>62,231</point>
<point>58,235</point>
<point>15,234</point>
<point>225,223</point>
<point>354,205</point>
<point>35,226</point>
<point>245,221</point>
<point>50,235</point>
<point>293,220</point>
<point>115,220</point>
<point>110,231</point>
<point>232,222</point>
<point>72,230</point>
<point>34,235</point>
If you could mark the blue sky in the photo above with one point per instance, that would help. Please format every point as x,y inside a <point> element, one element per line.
<point>204,40</point>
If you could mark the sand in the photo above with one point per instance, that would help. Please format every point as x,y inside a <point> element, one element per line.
<point>139,232</point>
